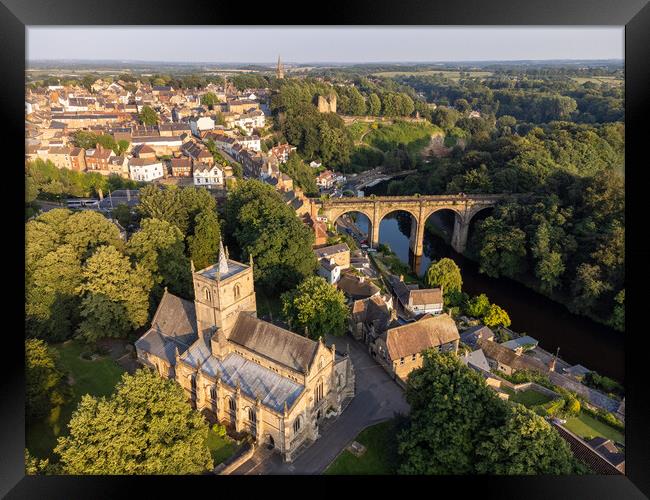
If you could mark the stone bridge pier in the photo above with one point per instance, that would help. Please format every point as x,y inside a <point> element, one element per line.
<point>419,207</point>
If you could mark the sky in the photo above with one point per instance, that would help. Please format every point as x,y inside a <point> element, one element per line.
<point>323,44</point>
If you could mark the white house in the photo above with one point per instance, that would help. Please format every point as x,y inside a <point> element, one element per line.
<point>250,142</point>
<point>315,164</point>
<point>208,175</point>
<point>145,169</point>
<point>201,124</point>
<point>329,270</point>
<point>249,121</point>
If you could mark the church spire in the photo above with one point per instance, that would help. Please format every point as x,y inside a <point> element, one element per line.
<point>223,260</point>
<point>279,72</point>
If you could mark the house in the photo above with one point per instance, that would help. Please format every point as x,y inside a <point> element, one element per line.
<point>119,165</point>
<point>197,153</point>
<point>472,335</point>
<point>578,372</point>
<point>251,120</point>
<point>586,453</point>
<point>330,270</point>
<point>370,317</point>
<point>145,169</point>
<point>250,375</point>
<point>319,229</point>
<point>97,159</point>
<point>415,301</point>
<point>399,350</point>
<point>509,361</point>
<point>60,157</point>
<point>201,124</point>
<point>357,287</point>
<point>477,360</point>
<point>315,164</point>
<point>78,159</point>
<point>241,106</point>
<point>521,344</point>
<point>339,253</point>
<point>181,167</point>
<point>161,145</point>
<point>206,175</point>
<point>143,151</point>
<point>281,152</point>
<point>606,448</point>
<point>250,142</point>
<point>325,179</point>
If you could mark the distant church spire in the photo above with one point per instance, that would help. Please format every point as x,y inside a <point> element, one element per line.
<point>279,72</point>
<point>223,260</point>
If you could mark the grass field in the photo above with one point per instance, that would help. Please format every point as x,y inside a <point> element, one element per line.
<point>220,447</point>
<point>380,456</point>
<point>97,378</point>
<point>527,398</point>
<point>588,427</point>
<point>451,74</point>
<point>598,79</point>
<point>416,136</point>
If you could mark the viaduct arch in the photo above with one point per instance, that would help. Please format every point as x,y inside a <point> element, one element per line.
<point>465,207</point>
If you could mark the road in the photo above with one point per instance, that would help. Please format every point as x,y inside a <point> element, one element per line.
<point>377,398</point>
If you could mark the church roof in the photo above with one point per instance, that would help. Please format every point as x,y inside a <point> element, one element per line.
<point>173,326</point>
<point>273,342</point>
<point>254,380</point>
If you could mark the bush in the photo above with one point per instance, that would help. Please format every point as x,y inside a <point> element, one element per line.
<point>219,430</point>
<point>605,417</point>
<point>604,384</point>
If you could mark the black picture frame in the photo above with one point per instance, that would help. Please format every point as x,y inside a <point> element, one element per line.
<point>15,15</point>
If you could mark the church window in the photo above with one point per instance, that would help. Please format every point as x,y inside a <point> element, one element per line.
<point>231,404</point>
<point>296,425</point>
<point>236,291</point>
<point>213,393</point>
<point>251,415</point>
<point>208,295</point>
<point>319,391</point>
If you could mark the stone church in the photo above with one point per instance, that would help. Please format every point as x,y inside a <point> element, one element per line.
<point>239,370</point>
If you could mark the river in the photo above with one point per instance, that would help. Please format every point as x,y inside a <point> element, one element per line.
<point>581,340</point>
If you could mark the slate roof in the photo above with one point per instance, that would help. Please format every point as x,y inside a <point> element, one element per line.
<point>356,289</point>
<point>273,342</point>
<point>510,358</point>
<point>520,342</point>
<point>413,338</point>
<point>476,359</point>
<point>331,250</point>
<point>472,335</point>
<point>585,453</point>
<point>173,325</point>
<point>254,380</point>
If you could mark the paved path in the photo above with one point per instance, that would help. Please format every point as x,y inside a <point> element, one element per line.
<point>377,398</point>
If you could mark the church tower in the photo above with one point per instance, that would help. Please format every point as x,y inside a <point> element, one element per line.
<point>222,291</point>
<point>279,72</point>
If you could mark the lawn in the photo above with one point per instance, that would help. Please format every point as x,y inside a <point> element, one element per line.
<point>379,458</point>
<point>220,447</point>
<point>530,398</point>
<point>587,427</point>
<point>97,378</point>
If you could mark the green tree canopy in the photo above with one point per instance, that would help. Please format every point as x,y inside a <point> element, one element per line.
<point>159,246</point>
<point>264,227</point>
<point>316,308</point>
<point>45,386</point>
<point>148,116</point>
<point>115,295</point>
<point>145,427</point>
<point>525,444</point>
<point>495,316</point>
<point>444,273</point>
<point>203,245</point>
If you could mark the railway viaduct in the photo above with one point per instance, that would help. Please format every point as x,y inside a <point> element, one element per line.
<point>465,207</point>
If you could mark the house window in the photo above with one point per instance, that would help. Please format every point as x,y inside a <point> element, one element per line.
<point>296,425</point>
<point>413,357</point>
<point>401,361</point>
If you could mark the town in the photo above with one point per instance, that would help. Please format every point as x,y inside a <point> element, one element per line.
<point>196,238</point>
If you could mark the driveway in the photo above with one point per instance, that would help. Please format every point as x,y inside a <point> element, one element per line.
<point>377,398</point>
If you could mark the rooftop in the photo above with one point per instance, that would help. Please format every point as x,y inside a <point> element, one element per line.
<point>234,267</point>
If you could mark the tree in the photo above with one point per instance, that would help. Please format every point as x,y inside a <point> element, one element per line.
<point>148,116</point>
<point>618,316</point>
<point>315,307</point>
<point>115,295</point>
<point>209,99</point>
<point>145,427</point>
<point>444,273</point>
<point>51,298</point>
<point>34,465</point>
<point>450,409</point>
<point>478,306</point>
<point>45,390</point>
<point>264,227</point>
<point>122,213</point>
<point>203,245</point>
<point>121,147</point>
<point>503,248</point>
<point>374,105</point>
<point>495,316</point>
<point>525,444</point>
<point>301,173</point>
<point>445,117</point>
<point>159,246</point>
<point>87,230</point>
